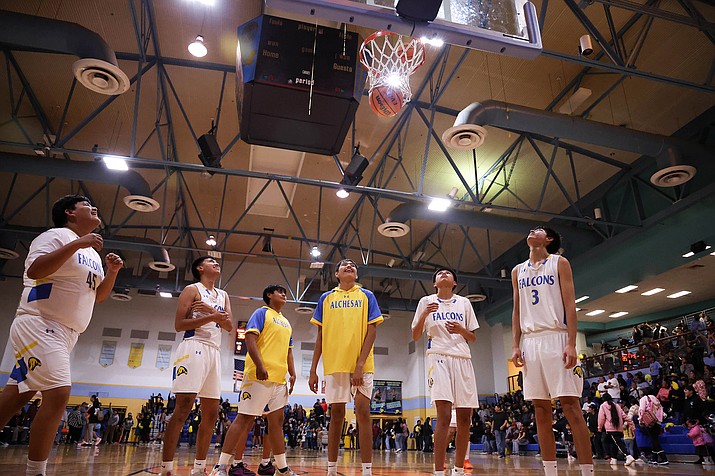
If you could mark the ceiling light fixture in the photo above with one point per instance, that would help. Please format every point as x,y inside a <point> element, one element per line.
<point>688,254</point>
<point>438,42</point>
<point>582,298</point>
<point>678,294</point>
<point>209,3</point>
<point>595,313</point>
<point>165,295</point>
<point>114,162</point>
<point>314,252</point>
<point>342,193</point>
<point>618,314</point>
<point>653,291</point>
<point>198,48</point>
<point>578,309</point>
<point>439,205</point>
<point>211,240</point>
<point>626,289</point>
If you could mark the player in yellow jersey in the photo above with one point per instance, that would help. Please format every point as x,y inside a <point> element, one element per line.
<point>270,357</point>
<point>347,318</point>
<point>63,279</point>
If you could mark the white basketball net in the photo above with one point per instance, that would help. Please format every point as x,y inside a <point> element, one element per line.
<point>390,61</point>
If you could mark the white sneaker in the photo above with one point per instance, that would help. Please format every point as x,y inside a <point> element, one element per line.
<point>630,460</point>
<point>201,472</point>
<point>614,461</point>
<point>570,459</point>
<point>219,470</point>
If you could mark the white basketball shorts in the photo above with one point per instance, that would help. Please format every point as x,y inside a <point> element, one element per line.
<point>42,350</point>
<point>544,374</point>
<point>338,388</point>
<point>452,379</point>
<point>197,369</point>
<point>257,398</point>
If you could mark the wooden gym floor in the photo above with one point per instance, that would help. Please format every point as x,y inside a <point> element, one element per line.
<point>130,460</point>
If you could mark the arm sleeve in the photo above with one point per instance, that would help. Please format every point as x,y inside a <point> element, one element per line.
<point>257,321</point>
<point>290,343</point>
<point>420,309</point>
<point>471,318</point>
<point>374,316</point>
<point>47,242</point>
<point>317,318</point>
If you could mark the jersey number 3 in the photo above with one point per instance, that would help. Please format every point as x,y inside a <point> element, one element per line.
<point>92,281</point>
<point>535,296</point>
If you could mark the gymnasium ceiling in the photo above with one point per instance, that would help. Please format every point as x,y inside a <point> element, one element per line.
<point>666,88</point>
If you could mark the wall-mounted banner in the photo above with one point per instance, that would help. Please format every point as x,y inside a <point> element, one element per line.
<point>163,356</point>
<point>386,397</point>
<point>106,355</point>
<point>136,353</point>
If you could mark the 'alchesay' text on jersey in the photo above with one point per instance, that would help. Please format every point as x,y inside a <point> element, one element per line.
<point>345,303</point>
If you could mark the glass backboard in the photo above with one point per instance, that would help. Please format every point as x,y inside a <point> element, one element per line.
<point>507,27</point>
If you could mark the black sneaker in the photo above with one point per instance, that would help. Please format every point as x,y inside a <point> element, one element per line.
<point>240,469</point>
<point>267,469</point>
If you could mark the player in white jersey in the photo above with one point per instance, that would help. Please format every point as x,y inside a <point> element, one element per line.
<point>202,312</point>
<point>63,279</point>
<point>450,322</point>
<point>544,331</point>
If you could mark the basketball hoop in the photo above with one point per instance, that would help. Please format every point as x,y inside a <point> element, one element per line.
<point>390,61</point>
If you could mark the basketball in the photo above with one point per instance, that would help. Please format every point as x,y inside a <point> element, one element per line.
<point>406,54</point>
<point>386,101</point>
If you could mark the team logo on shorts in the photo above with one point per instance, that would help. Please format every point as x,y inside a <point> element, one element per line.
<point>245,396</point>
<point>33,363</point>
<point>181,371</point>
<point>578,371</point>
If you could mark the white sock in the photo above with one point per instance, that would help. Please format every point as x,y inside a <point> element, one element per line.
<point>225,458</point>
<point>265,461</point>
<point>458,470</point>
<point>237,462</point>
<point>199,463</point>
<point>167,466</point>
<point>332,467</point>
<point>439,473</point>
<point>36,467</point>
<point>281,461</point>
<point>367,469</point>
<point>550,468</point>
<point>587,470</point>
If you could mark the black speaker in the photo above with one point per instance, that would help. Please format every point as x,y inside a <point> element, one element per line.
<point>210,154</point>
<point>357,166</point>
<point>418,10</point>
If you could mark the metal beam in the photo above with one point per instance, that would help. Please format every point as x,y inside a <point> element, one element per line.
<point>704,26</point>
<point>628,71</point>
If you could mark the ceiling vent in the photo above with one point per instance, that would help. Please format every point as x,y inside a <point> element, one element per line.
<point>141,204</point>
<point>97,69</point>
<point>464,137</point>
<point>393,229</point>
<point>668,152</point>
<point>6,253</point>
<point>163,265</point>
<point>122,295</point>
<point>476,297</point>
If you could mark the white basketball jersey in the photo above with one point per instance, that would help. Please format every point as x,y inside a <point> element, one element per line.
<point>457,309</point>
<point>540,302</point>
<point>210,332</point>
<point>67,295</point>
